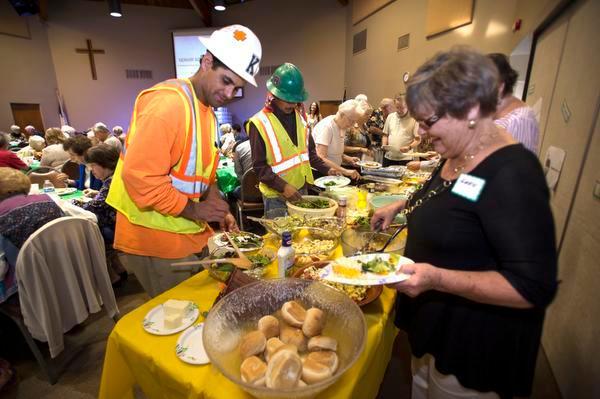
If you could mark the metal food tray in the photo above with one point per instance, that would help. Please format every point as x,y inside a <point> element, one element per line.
<point>390,171</point>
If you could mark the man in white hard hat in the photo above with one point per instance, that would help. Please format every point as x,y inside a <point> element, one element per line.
<point>164,186</point>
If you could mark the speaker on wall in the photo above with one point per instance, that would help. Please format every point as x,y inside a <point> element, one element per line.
<point>25,7</point>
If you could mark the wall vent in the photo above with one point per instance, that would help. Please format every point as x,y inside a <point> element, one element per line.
<point>403,42</point>
<point>267,70</point>
<point>359,42</point>
<point>138,74</point>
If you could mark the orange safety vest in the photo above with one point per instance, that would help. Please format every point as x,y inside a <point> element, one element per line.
<point>193,173</point>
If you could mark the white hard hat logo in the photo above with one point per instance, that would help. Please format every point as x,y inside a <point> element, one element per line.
<point>239,35</point>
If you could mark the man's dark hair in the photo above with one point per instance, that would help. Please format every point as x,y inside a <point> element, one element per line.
<point>217,63</point>
<point>104,155</point>
<point>78,144</point>
<point>508,76</point>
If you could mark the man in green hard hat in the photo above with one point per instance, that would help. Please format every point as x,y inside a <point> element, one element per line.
<point>283,151</point>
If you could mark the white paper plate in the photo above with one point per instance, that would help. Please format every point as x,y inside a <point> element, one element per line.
<point>65,191</point>
<point>155,319</point>
<point>340,181</point>
<point>369,164</point>
<point>367,278</point>
<point>221,241</point>
<point>190,348</point>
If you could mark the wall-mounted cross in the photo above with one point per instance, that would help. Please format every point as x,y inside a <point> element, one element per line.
<point>90,52</point>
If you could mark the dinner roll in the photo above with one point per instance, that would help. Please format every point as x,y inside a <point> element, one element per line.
<point>327,358</point>
<point>314,322</point>
<point>271,347</point>
<point>284,370</point>
<point>322,343</point>
<point>269,325</point>
<point>293,313</point>
<point>313,371</point>
<point>294,336</point>
<point>253,343</point>
<point>253,371</point>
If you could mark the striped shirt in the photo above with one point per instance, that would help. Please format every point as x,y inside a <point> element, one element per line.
<point>522,124</point>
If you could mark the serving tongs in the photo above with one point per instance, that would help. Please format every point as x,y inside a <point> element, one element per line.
<point>241,262</point>
<point>398,231</point>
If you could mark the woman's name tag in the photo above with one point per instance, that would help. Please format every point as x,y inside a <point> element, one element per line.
<point>468,187</point>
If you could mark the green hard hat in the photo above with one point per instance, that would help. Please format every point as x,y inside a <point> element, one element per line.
<point>287,84</point>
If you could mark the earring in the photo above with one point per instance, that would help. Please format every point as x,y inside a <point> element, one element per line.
<point>472,123</point>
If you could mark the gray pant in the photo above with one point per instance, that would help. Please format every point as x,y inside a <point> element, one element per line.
<point>156,275</point>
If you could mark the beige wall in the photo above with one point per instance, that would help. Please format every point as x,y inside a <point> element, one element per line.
<point>27,74</point>
<point>139,40</point>
<point>378,70</point>
<point>573,321</point>
<point>309,34</point>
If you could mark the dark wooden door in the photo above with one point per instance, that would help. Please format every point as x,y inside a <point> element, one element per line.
<point>27,114</point>
<point>328,107</point>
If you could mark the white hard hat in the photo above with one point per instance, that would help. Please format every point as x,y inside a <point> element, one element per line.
<point>237,47</point>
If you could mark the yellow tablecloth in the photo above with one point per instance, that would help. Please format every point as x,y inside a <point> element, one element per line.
<point>134,356</point>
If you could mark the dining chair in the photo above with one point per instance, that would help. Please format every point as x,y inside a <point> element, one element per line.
<point>250,196</point>
<point>62,277</point>
<point>40,177</point>
<point>71,169</point>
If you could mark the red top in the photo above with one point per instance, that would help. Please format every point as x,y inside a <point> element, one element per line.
<point>10,159</point>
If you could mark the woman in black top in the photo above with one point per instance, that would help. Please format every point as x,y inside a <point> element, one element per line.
<point>481,234</point>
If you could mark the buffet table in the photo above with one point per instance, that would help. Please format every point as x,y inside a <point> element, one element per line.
<point>135,357</point>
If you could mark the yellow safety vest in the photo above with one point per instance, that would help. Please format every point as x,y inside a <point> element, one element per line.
<point>288,161</point>
<point>192,175</point>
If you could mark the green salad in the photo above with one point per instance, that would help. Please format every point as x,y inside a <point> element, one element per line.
<point>378,265</point>
<point>330,183</point>
<point>245,240</point>
<point>313,203</point>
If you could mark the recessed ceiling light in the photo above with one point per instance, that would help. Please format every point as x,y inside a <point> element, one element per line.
<point>219,5</point>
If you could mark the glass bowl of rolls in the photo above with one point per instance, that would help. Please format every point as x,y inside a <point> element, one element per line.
<point>284,338</point>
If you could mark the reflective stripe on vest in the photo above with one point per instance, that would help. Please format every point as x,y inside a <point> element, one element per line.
<point>290,163</point>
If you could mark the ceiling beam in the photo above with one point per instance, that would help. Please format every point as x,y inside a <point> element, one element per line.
<point>203,9</point>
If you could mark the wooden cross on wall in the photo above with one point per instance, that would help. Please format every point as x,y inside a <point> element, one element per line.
<point>90,52</point>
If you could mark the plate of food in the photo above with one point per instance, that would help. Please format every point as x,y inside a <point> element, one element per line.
<point>361,294</point>
<point>65,191</point>
<point>171,317</point>
<point>190,348</point>
<point>222,271</point>
<point>245,241</point>
<point>332,181</point>
<point>369,164</point>
<point>369,269</point>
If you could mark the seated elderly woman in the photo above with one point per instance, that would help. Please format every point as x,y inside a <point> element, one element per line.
<point>34,149</point>
<point>54,155</point>
<point>485,258</point>
<point>76,147</point>
<point>20,215</point>
<point>102,160</point>
<point>330,135</point>
<point>9,158</point>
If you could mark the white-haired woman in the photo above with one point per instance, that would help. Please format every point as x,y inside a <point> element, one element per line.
<point>330,134</point>
<point>227,139</point>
